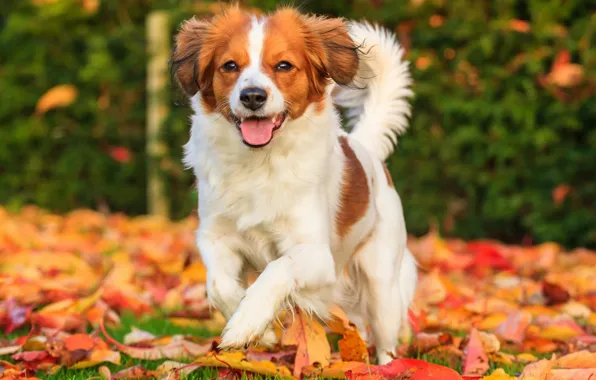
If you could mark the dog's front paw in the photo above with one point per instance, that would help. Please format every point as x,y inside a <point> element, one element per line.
<point>246,326</point>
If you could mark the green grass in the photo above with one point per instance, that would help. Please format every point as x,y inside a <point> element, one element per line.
<point>162,327</point>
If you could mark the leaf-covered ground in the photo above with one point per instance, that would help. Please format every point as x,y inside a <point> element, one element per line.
<point>88,295</point>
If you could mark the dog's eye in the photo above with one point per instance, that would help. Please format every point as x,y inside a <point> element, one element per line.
<point>284,66</point>
<point>230,66</point>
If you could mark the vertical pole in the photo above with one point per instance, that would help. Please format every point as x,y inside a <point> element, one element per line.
<point>158,48</point>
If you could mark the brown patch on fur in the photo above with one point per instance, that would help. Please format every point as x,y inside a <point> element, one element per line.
<point>202,47</point>
<point>388,176</point>
<point>354,193</point>
<point>318,49</point>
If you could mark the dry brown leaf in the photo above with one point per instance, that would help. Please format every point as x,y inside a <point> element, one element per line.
<point>58,96</point>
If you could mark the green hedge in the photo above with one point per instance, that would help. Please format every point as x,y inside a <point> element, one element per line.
<point>491,136</point>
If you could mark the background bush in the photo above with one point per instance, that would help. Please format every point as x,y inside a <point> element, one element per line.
<point>496,148</point>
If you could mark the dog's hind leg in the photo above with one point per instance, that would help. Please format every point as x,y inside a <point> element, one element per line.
<point>389,275</point>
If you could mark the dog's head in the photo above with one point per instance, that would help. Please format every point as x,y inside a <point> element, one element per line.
<point>260,71</point>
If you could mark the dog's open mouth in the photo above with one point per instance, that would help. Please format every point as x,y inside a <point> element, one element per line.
<point>258,131</point>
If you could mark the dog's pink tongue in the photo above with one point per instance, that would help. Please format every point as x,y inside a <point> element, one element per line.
<point>257,132</point>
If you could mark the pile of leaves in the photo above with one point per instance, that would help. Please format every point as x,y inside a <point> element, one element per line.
<point>482,309</point>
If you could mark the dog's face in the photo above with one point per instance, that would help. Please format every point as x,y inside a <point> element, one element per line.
<point>259,72</point>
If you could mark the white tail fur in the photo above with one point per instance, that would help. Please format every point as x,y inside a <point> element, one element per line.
<point>377,108</point>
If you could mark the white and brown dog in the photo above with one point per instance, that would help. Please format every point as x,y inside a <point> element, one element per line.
<point>281,186</point>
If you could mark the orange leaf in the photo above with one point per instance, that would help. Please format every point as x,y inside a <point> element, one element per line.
<point>79,342</point>
<point>58,96</point>
<point>520,26</point>
<point>475,359</point>
<point>309,338</point>
<point>352,347</point>
<point>560,193</point>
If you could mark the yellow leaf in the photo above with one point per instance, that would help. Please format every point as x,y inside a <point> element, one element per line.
<point>492,321</point>
<point>499,374</point>
<point>97,357</point>
<point>310,340</point>
<point>185,322</point>
<point>59,96</point>
<point>562,333</point>
<point>194,274</point>
<point>237,360</point>
<point>83,304</point>
<point>526,358</point>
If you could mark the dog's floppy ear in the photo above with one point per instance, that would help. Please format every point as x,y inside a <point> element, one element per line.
<point>190,62</point>
<point>331,49</point>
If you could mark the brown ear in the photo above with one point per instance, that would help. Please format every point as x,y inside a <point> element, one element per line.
<point>332,50</point>
<point>189,62</point>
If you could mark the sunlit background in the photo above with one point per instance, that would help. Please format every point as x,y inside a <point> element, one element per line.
<point>502,142</point>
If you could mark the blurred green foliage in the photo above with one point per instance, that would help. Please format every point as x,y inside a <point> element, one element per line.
<point>491,139</point>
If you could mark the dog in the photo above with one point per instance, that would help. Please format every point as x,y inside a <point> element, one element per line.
<point>282,187</point>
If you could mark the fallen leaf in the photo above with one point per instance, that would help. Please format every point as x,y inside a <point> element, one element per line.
<point>475,359</point>
<point>499,374</point>
<point>580,359</point>
<point>514,327</point>
<point>97,357</point>
<point>309,338</point>
<point>175,350</point>
<point>413,369</point>
<point>537,371</point>
<point>58,96</point>
<point>352,347</point>
<point>554,294</point>
<point>572,374</point>
<point>137,335</point>
<point>236,360</point>
<point>561,333</point>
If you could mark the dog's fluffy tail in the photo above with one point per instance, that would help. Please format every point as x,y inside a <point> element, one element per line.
<point>377,104</point>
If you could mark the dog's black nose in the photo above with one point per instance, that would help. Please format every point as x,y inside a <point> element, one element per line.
<point>253,98</point>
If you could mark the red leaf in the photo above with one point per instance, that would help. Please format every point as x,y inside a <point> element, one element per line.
<point>487,255</point>
<point>120,154</point>
<point>30,356</point>
<point>418,369</point>
<point>79,342</point>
